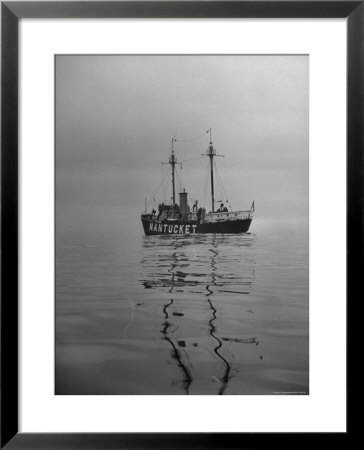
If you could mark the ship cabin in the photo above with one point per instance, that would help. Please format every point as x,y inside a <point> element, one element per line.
<point>176,212</point>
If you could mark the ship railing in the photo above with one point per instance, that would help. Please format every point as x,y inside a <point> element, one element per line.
<point>218,216</point>
<point>163,216</point>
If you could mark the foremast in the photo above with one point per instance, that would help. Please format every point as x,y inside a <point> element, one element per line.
<point>173,162</point>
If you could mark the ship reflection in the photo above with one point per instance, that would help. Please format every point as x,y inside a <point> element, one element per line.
<point>203,268</point>
<point>212,329</point>
<point>175,353</point>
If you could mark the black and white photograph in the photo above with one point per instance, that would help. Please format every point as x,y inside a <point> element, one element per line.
<point>182,224</point>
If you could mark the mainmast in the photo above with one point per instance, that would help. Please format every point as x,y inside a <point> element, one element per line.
<point>211,153</point>
<point>172,162</point>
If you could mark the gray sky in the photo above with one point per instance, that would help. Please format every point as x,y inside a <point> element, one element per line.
<point>116,115</point>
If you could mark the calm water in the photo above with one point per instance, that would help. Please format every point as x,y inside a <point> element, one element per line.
<point>205,314</point>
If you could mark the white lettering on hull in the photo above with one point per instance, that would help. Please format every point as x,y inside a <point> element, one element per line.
<point>171,229</point>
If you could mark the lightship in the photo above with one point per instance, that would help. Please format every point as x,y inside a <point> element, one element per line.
<point>180,218</point>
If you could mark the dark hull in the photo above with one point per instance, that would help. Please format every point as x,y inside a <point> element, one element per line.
<point>153,227</point>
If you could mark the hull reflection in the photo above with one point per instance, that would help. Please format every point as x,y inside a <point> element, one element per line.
<point>200,280</point>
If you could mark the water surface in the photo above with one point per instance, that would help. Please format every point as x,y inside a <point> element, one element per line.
<point>204,314</point>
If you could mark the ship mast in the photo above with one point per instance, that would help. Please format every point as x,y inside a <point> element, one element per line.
<point>211,153</point>
<point>173,161</point>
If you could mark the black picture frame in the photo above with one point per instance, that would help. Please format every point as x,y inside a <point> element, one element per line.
<point>11,12</point>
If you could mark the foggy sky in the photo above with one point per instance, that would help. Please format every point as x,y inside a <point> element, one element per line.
<point>116,116</point>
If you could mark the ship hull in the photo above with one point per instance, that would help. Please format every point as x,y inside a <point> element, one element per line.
<point>153,227</point>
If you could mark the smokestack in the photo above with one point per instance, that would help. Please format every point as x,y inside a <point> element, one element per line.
<point>183,204</point>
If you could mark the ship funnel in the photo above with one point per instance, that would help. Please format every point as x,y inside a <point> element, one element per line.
<point>183,204</point>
